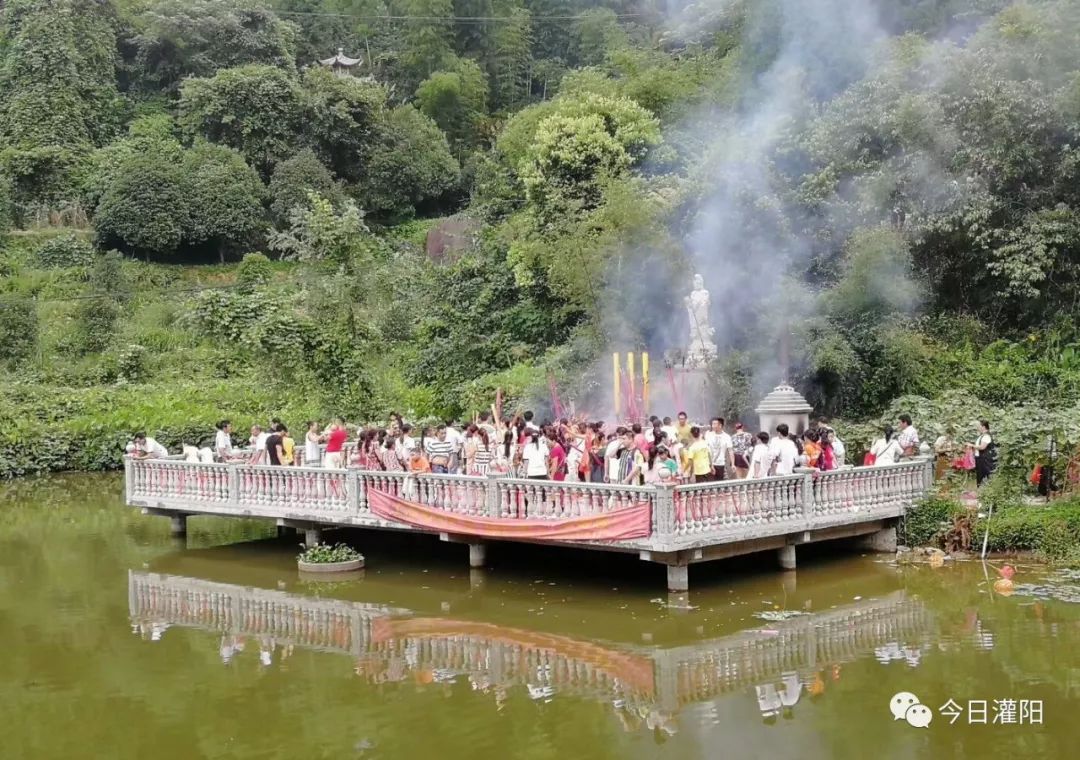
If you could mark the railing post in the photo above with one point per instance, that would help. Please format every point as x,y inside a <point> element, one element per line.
<point>808,498</point>
<point>352,490</point>
<point>928,475</point>
<point>234,485</point>
<point>129,486</point>
<point>494,508</point>
<point>663,517</point>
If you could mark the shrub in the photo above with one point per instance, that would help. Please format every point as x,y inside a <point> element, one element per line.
<point>254,270</point>
<point>1052,531</point>
<point>64,251</point>
<point>131,364</point>
<point>96,319</point>
<point>294,179</point>
<point>925,523</point>
<point>18,329</point>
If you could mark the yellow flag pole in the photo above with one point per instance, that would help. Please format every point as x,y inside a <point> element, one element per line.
<point>615,381</point>
<point>631,402</point>
<point>644,382</point>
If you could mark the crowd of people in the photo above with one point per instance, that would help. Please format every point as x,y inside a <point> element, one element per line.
<point>661,450</point>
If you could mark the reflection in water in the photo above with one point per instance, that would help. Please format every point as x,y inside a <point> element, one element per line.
<point>645,685</point>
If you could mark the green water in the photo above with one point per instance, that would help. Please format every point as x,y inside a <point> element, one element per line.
<point>120,642</point>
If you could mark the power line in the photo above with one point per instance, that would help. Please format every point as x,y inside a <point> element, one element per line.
<point>449,19</point>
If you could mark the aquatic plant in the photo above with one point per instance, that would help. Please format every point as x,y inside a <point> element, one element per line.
<point>325,554</point>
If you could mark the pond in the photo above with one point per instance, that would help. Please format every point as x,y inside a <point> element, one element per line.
<point>125,642</point>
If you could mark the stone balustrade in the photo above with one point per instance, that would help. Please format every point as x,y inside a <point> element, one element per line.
<point>683,516</point>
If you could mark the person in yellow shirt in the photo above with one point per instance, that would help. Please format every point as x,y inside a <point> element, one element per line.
<point>700,457</point>
<point>682,430</point>
<point>287,445</point>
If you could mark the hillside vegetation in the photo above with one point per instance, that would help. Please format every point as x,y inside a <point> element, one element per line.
<point>199,221</point>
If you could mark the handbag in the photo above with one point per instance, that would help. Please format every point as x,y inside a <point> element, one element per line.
<point>869,459</point>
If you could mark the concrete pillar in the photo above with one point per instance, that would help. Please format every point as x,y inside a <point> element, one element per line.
<point>882,541</point>
<point>678,602</point>
<point>476,578</point>
<point>786,556</point>
<point>678,578</point>
<point>477,555</point>
<point>312,536</point>
<point>179,525</point>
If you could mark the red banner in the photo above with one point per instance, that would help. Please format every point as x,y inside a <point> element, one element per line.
<point>617,525</point>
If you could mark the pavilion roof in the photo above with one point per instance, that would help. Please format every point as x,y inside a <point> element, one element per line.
<point>340,60</point>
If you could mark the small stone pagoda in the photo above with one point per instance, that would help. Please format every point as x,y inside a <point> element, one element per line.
<point>784,405</point>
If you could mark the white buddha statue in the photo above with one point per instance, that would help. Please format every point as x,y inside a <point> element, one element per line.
<point>701,349</point>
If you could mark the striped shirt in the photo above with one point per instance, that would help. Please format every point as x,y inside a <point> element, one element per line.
<point>482,460</point>
<point>439,450</point>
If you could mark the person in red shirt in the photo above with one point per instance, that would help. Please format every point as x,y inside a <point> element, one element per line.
<point>335,443</point>
<point>556,456</point>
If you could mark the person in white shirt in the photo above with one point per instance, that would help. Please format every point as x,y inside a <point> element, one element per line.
<point>529,424</point>
<point>457,442</point>
<point>720,450</point>
<point>223,448</point>
<point>760,458</point>
<point>535,455</point>
<point>783,451</point>
<point>257,441</point>
<point>408,443</point>
<point>887,449</point>
<point>575,450</point>
<point>147,448</point>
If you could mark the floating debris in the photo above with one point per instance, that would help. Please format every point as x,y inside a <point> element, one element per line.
<point>776,616</point>
<point>1062,586</point>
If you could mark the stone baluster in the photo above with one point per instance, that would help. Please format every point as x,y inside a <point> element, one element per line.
<point>663,513</point>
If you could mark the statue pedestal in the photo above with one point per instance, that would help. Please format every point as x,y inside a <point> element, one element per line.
<point>692,384</point>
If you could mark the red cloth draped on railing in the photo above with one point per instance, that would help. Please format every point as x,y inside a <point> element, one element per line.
<point>616,525</point>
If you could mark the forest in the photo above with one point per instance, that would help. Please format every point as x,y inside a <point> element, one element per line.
<point>200,220</point>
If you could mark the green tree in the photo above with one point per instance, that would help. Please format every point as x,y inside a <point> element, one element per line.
<point>598,33</point>
<point>318,233</point>
<point>225,201</point>
<point>456,100</point>
<point>294,178</point>
<point>146,208</point>
<point>583,141</point>
<point>254,109</point>
<point>154,134</point>
<point>342,117</point>
<point>174,39</point>
<point>428,35</point>
<point>508,59</point>
<point>411,164</point>
<point>58,94</point>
